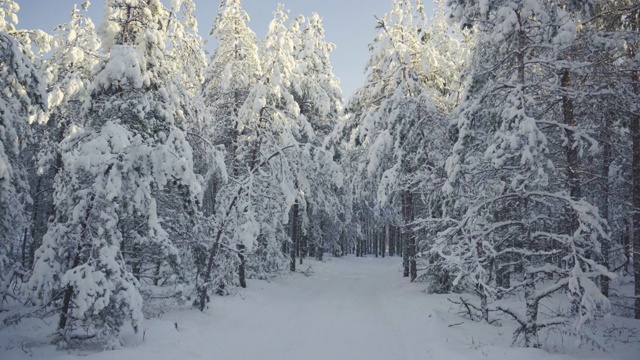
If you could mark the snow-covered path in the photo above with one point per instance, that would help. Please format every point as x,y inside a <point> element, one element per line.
<point>351,308</point>
<point>346,308</point>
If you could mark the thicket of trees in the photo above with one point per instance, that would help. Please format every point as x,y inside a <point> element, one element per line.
<point>495,146</point>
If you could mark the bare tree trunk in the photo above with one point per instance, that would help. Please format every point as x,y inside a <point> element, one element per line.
<point>384,236</point>
<point>635,134</point>
<point>571,151</point>
<point>635,163</point>
<point>408,237</point>
<point>66,301</point>
<point>376,241</point>
<point>573,159</point>
<point>392,240</point>
<point>606,165</point>
<point>405,256</point>
<point>24,248</point>
<point>241,268</point>
<point>294,236</point>
<point>34,225</point>
<point>320,250</point>
<point>303,248</point>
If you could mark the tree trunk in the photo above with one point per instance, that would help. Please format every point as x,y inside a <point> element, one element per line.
<point>24,248</point>
<point>320,250</point>
<point>203,296</point>
<point>384,237</point>
<point>407,253</point>
<point>34,226</point>
<point>66,305</point>
<point>68,294</point>
<point>531,327</point>
<point>484,306</point>
<point>294,236</point>
<point>635,134</point>
<point>405,257</point>
<point>413,268</point>
<point>573,159</point>
<point>409,238</point>
<point>303,248</point>
<point>241,268</point>
<point>392,240</point>
<point>606,165</point>
<point>635,163</point>
<point>376,241</point>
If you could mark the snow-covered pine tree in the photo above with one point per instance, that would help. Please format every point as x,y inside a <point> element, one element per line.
<point>126,148</point>
<point>401,109</point>
<point>270,125</point>
<point>444,57</point>
<point>609,40</point>
<point>253,209</point>
<point>389,71</point>
<point>349,153</point>
<point>620,34</point>
<point>22,98</point>
<point>608,118</point>
<point>319,98</point>
<point>592,107</point>
<point>67,72</point>
<point>318,93</point>
<point>267,125</point>
<point>514,222</point>
<point>186,62</point>
<point>233,69</point>
<point>186,47</point>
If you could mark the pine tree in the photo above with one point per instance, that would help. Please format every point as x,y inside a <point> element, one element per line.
<point>390,73</point>
<point>401,112</point>
<point>68,72</point>
<point>251,209</point>
<point>23,98</point>
<point>512,218</point>
<point>181,213</point>
<point>270,123</point>
<point>319,98</point>
<point>233,70</point>
<point>127,147</point>
<point>616,30</point>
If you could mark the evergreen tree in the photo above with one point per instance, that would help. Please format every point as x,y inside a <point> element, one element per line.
<point>615,31</point>
<point>186,62</point>
<point>512,217</point>
<point>401,112</point>
<point>270,123</point>
<point>251,210</point>
<point>319,97</point>
<point>233,70</point>
<point>68,72</point>
<point>127,147</point>
<point>23,98</point>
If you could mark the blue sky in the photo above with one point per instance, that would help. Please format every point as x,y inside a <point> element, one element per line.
<point>350,24</point>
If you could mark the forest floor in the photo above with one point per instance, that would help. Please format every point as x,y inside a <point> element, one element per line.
<point>348,308</point>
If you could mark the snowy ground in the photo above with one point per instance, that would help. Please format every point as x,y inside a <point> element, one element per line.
<point>350,308</point>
